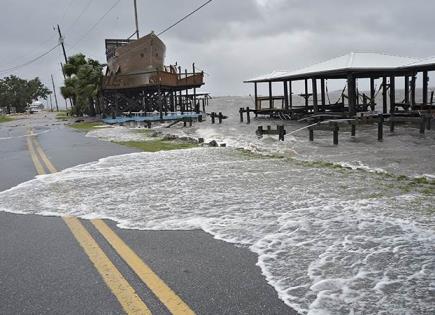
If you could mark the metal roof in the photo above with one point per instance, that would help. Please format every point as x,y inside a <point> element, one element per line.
<point>350,63</point>
<point>427,62</point>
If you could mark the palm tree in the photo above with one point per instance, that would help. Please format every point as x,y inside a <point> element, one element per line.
<point>82,84</point>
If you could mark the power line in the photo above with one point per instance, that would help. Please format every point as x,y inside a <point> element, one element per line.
<point>80,15</point>
<point>29,62</point>
<point>185,17</point>
<point>95,25</point>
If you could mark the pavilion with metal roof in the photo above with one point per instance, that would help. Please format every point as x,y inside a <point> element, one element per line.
<point>350,67</point>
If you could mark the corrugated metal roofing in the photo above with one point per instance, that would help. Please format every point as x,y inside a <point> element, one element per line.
<point>347,63</point>
<point>422,62</point>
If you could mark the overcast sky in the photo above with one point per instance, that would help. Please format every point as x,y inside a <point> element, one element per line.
<point>231,40</point>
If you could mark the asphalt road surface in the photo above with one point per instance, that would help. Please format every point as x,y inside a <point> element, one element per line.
<point>53,265</point>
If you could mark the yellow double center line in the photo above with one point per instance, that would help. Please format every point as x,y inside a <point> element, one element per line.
<point>126,295</point>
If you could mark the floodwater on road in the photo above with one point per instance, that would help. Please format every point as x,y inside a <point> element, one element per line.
<point>346,229</point>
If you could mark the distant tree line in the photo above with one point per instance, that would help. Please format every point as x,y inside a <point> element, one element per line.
<point>82,84</point>
<point>19,93</point>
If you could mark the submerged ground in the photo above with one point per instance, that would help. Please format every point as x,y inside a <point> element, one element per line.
<point>337,230</point>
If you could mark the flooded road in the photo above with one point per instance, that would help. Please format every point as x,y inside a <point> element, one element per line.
<point>346,229</point>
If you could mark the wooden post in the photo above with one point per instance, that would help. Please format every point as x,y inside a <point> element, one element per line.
<point>425,83</point>
<point>256,96</point>
<point>270,95</point>
<point>311,134</point>
<point>422,124</point>
<point>384,95</point>
<point>248,116</point>
<point>213,117</point>
<point>186,104</point>
<point>392,94</point>
<point>353,131</point>
<point>281,133</point>
<point>306,95</point>
<point>335,133</point>
<point>413,79</point>
<point>372,94</point>
<point>351,91</point>
<point>315,102</point>
<point>241,114</point>
<point>380,127</point>
<point>194,91</point>
<point>322,92</point>
<point>406,89</point>
<point>220,116</point>
<point>290,95</point>
<point>286,102</point>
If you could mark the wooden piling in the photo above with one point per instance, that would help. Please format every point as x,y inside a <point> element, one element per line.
<point>311,133</point>
<point>281,133</point>
<point>372,94</point>
<point>286,102</point>
<point>241,114</point>
<point>353,131</point>
<point>406,89</point>
<point>220,117</point>
<point>255,96</point>
<point>315,100</point>
<point>306,95</point>
<point>413,79</point>
<point>212,115</point>
<point>335,134</point>
<point>322,92</point>
<point>248,116</point>
<point>384,95</point>
<point>392,94</point>
<point>270,95</point>
<point>425,86</point>
<point>352,94</point>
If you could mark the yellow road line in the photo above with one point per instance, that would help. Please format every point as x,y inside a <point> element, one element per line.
<point>44,157</point>
<point>168,297</point>
<point>126,295</point>
<point>122,290</point>
<point>39,168</point>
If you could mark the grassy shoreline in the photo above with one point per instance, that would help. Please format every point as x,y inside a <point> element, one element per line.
<point>86,126</point>
<point>157,145</point>
<point>4,118</point>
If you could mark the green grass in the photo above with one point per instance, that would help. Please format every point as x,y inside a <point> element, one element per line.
<point>86,126</point>
<point>62,115</point>
<point>157,145</point>
<point>5,118</point>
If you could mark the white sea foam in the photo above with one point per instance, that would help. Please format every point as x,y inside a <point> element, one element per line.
<point>117,133</point>
<point>329,241</point>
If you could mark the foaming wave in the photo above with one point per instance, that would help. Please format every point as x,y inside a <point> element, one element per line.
<point>333,241</point>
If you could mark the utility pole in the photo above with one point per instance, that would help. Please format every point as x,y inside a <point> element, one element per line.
<point>51,104</point>
<point>63,73</point>
<point>54,91</point>
<point>135,17</point>
<point>61,43</point>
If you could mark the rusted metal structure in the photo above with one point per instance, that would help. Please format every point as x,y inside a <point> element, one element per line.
<point>353,67</point>
<point>137,80</point>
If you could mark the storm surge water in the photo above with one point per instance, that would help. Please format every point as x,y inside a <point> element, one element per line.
<point>330,240</point>
<point>346,229</point>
